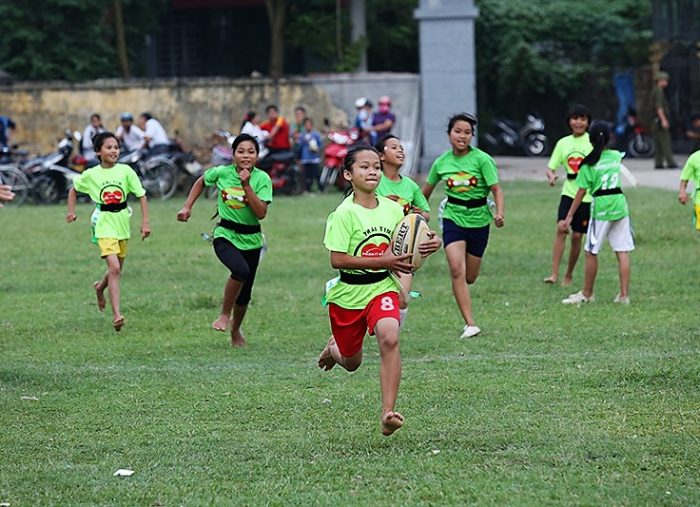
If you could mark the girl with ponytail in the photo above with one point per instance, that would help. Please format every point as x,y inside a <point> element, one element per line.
<point>600,174</point>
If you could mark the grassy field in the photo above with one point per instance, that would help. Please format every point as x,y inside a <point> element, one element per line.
<point>590,405</point>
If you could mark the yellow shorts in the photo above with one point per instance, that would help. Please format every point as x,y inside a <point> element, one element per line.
<point>697,217</point>
<point>111,246</point>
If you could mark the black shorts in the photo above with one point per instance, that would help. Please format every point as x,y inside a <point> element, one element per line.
<point>581,217</point>
<point>477,238</point>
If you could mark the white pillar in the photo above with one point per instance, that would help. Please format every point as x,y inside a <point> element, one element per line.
<point>358,19</point>
<point>447,68</point>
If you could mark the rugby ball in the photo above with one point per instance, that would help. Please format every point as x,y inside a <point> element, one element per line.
<point>411,231</point>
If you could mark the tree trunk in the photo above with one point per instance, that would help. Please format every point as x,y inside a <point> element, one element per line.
<point>277,15</point>
<point>121,40</point>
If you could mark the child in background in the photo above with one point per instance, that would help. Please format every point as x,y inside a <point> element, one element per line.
<point>568,153</point>
<point>108,185</point>
<point>365,297</point>
<point>469,175</point>
<point>309,142</point>
<point>599,174</point>
<point>691,172</point>
<point>244,194</point>
<point>404,191</point>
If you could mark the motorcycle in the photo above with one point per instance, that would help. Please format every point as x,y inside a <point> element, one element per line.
<point>333,155</point>
<point>633,138</point>
<point>51,176</point>
<point>158,174</point>
<point>509,136</point>
<point>283,171</point>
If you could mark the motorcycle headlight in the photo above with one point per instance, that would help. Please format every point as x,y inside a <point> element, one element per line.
<point>537,124</point>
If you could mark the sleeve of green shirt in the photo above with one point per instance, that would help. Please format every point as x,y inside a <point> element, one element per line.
<point>81,182</point>
<point>691,169</point>
<point>489,170</point>
<point>134,184</point>
<point>433,175</point>
<point>555,160</point>
<point>211,175</point>
<point>263,188</point>
<point>583,179</point>
<point>419,200</point>
<point>337,233</point>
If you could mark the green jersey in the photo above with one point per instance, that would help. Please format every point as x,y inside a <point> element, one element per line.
<point>233,205</point>
<point>406,192</point>
<point>604,176</point>
<point>466,177</point>
<point>361,232</point>
<point>691,172</point>
<point>568,153</point>
<point>110,186</point>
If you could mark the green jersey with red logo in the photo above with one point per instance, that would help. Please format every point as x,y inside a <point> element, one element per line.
<point>466,177</point>
<point>406,192</point>
<point>568,153</point>
<point>602,178</point>
<point>110,186</point>
<point>361,232</point>
<point>233,205</point>
<point>691,172</point>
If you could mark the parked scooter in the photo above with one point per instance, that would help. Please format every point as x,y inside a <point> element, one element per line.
<point>283,171</point>
<point>633,138</point>
<point>333,154</point>
<point>51,176</point>
<point>508,136</point>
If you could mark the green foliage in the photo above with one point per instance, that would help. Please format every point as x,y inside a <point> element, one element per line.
<point>552,405</point>
<point>70,40</point>
<point>553,50</point>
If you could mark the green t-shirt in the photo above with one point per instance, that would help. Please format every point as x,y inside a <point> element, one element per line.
<point>406,192</point>
<point>691,172</point>
<point>361,232</point>
<point>466,177</point>
<point>110,186</point>
<point>604,175</point>
<point>568,153</point>
<point>232,204</point>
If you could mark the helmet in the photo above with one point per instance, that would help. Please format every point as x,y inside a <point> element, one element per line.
<point>361,102</point>
<point>126,117</point>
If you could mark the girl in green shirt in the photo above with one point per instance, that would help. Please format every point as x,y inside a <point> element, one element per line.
<point>404,191</point>
<point>244,193</point>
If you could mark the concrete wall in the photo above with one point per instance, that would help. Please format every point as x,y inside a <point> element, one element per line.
<point>193,107</point>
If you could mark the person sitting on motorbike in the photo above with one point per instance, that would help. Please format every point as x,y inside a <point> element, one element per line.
<point>7,128</point>
<point>250,126</point>
<point>278,128</point>
<point>129,135</point>
<point>154,135</point>
<point>363,118</point>
<point>383,120</point>
<point>93,128</point>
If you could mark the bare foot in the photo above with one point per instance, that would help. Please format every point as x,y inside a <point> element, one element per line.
<point>237,339</point>
<point>325,360</point>
<point>566,282</point>
<point>220,324</point>
<point>101,302</point>
<point>391,421</point>
<point>118,323</point>
<point>550,279</point>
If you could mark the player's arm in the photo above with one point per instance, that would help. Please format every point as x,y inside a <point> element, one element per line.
<point>430,246</point>
<point>399,263</point>
<point>145,225</point>
<point>72,198</point>
<point>683,192</point>
<point>427,190</point>
<point>184,214</point>
<point>500,204</point>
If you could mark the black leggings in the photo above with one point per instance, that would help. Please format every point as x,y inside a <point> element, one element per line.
<point>243,264</point>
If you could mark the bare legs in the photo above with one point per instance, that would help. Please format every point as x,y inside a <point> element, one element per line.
<point>110,281</point>
<point>591,271</point>
<point>558,252</point>
<point>623,261</point>
<point>464,270</point>
<point>230,309</point>
<point>387,331</point>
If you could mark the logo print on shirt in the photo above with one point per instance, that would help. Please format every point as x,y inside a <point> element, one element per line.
<point>403,202</point>
<point>234,198</point>
<point>574,160</point>
<point>462,182</point>
<point>374,245</point>
<point>111,194</point>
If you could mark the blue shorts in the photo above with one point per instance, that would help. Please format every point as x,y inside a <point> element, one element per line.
<point>476,237</point>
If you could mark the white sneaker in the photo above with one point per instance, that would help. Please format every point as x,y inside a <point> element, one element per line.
<point>577,299</point>
<point>470,331</point>
<point>621,300</point>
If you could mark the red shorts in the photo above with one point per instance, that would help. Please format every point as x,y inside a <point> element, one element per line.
<point>349,326</point>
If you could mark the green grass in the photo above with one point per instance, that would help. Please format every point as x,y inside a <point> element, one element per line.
<point>590,405</point>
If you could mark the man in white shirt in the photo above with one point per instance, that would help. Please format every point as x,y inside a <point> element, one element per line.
<point>129,134</point>
<point>154,135</point>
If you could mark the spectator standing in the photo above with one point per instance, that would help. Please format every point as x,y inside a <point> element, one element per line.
<point>661,127</point>
<point>310,155</point>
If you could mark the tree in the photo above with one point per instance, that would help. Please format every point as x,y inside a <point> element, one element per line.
<point>277,15</point>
